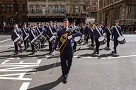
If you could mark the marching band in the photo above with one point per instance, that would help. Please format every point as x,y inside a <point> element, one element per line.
<point>66,38</point>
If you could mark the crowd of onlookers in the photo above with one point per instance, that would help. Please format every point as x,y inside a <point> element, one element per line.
<point>126,29</point>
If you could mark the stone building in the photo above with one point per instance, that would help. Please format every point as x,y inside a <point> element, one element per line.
<point>55,10</point>
<point>122,10</point>
<point>13,11</point>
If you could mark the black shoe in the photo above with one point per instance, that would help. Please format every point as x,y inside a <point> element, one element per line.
<point>64,80</point>
<point>16,53</point>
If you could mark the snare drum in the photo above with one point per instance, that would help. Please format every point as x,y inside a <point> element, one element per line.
<point>78,38</point>
<point>121,39</point>
<point>102,40</point>
<point>52,38</point>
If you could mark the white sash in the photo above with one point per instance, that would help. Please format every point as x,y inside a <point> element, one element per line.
<point>50,30</point>
<point>98,32</point>
<point>117,30</point>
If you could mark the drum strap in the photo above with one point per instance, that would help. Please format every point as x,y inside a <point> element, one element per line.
<point>50,30</point>
<point>117,30</point>
<point>38,30</point>
<point>98,31</point>
<point>24,31</point>
<point>33,33</point>
<point>109,30</point>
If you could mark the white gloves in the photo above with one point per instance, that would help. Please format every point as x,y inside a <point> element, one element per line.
<point>53,53</point>
<point>69,37</point>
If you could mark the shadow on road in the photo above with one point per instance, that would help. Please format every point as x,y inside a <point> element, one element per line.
<point>48,86</point>
<point>46,67</point>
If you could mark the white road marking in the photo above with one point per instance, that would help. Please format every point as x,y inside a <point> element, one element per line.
<point>5,40</point>
<point>105,57</point>
<point>24,86</point>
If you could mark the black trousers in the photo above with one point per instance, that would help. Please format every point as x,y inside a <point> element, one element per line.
<point>26,44</point>
<point>50,46</point>
<point>108,41</point>
<point>115,44</point>
<point>86,38</point>
<point>97,45</point>
<point>33,47</point>
<point>66,60</point>
<point>74,46</point>
<point>16,47</point>
<point>92,41</point>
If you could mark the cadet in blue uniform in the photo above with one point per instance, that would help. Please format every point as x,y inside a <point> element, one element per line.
<point>16,34</point>
<point>97,34</point>
<point>25,31</point>
<point>115,35</point>
<point>91,35</point>
<point>77,29</point>
<point>67,53</point>
<point>32,35</point>
<point>86,33</point>
<point>108,34</point>
<point>50,31</point>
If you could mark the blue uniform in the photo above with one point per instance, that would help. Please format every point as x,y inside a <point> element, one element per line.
<point>96,36</point>
<point>75,43</point>
<point>25,32</point>
<point>92,37</point>
<point>14,34</point>
<point>67,54</point>
<point>50,31</point>
<point>86,33</point>
<point>108,34</point>
<point>33,34</point>
<point>115,34</point>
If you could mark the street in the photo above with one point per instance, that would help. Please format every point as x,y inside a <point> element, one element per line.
<point>88,72</point>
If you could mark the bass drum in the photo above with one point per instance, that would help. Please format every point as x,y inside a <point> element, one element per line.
<point>121,40</point>
<point>102,40</point>
<point>77,39</point>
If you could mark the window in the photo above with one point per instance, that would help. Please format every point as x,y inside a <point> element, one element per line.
<point>1,7</point>
<point>24,7</point>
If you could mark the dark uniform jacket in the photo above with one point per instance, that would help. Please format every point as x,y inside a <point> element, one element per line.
<point>61,32</point>
<point>25,32</point>
<point>48,31</point>
<point>115,33</point>
<point>97,34</point>
<point>15,33</point>
<point>108,31</point>
<point>33,34</point>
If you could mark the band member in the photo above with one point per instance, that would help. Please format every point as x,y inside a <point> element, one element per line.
<point>115,35</point>
<point>92,35</point>
<point>77,29</point>
<point>43,31</point>
<point>97,34</point>
<point>108,33</point>
<point>25,31</point>
<point>32,36</point>
<point>16,36</point>
<point>86,33</point>
<point>39,31</point>
<point>66,49</point>
<point>50,31</point>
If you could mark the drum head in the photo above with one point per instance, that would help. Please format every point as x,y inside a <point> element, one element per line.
<point>100,39</point>
<point>52,38</point>
<point>76,39</point>
<point>121,38</point>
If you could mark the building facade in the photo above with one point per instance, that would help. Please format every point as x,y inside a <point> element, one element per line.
<point>122,10</point>
<point>55,10</point>
<point>13,11</point>
<point>92,7</point>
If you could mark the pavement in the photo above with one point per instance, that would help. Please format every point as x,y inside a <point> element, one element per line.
<point>88,71</point>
